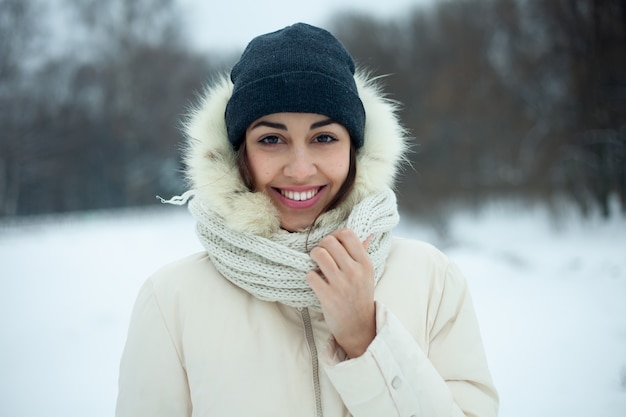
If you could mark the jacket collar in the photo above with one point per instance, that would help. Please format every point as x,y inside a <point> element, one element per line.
<point>212,173</point>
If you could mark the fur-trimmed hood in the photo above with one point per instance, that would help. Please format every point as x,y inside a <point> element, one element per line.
<point>213,174</point>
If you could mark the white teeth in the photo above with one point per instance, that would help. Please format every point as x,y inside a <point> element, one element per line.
<point>299,196</point>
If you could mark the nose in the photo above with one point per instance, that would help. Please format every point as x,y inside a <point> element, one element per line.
<point>301,164</point>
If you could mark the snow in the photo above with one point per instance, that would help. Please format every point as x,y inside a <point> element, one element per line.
<point>550,296</point>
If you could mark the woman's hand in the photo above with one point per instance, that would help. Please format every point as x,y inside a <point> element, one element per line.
<point>344,285</point>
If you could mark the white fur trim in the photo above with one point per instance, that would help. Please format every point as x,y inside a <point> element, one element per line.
<point>211,168</point>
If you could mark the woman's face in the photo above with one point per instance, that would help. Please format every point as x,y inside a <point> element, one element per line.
<point>299,160</point>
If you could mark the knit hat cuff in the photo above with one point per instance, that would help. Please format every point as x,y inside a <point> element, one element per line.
<point>295,92</point>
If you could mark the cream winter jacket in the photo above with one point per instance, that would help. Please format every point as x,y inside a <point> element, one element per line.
<point>200,346</point>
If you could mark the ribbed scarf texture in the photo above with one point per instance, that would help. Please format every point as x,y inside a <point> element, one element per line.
<point>274,269</point>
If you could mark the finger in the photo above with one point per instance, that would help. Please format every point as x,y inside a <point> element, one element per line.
<point>318,283</point>
<point>366,243</point>
<point>339,252</point>
<point>356,249</point>
<point>325,261</point>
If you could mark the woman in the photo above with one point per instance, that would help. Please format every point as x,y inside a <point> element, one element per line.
<point>302,304</point>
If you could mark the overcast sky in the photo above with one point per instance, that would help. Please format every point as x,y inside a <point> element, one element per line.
<point>228,25</point>
<point>231,24</point>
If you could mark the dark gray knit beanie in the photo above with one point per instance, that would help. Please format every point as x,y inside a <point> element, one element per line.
<point>300,69</point>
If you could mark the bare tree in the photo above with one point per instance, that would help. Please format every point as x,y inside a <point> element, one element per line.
<point>505,96</point>
<point>572,66</point>
<point>100,129</point>
<point>18,35</point>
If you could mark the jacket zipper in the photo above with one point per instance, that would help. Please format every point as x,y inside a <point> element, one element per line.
<point>308,331</point>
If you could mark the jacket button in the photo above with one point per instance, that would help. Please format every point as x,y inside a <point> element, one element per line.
<point>396,382</point>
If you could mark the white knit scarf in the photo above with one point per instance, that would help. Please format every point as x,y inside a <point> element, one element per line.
<point>275,268</point>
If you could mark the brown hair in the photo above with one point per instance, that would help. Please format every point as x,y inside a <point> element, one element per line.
<point>243,165</point>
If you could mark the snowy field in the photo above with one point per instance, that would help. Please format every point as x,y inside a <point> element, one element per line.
<point>551,300</point>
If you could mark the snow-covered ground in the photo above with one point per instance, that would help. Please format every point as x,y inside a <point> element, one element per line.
<point>550,296</point>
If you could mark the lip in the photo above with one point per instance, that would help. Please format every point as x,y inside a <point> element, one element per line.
<point>299,204</point>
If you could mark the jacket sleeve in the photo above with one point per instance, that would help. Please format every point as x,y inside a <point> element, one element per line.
<point>152,380</point>
<point>395,377</point>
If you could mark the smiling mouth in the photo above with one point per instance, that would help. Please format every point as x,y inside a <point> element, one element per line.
<point>299,195</point>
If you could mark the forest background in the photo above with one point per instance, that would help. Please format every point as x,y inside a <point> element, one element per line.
<point>522,99</point>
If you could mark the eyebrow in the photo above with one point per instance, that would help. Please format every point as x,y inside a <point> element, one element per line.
<point>281,126</point>
<point>322,123</point>
<point>269,124</point>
